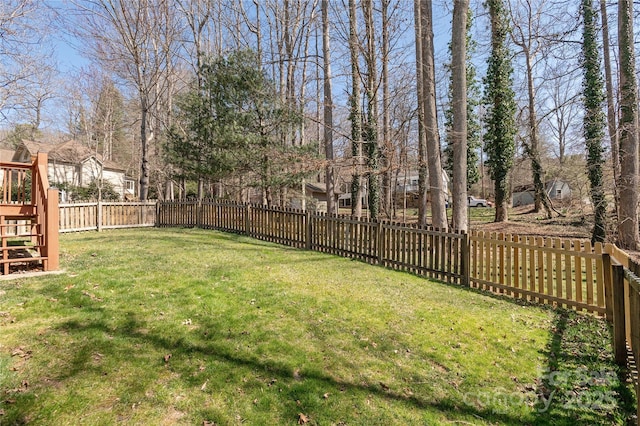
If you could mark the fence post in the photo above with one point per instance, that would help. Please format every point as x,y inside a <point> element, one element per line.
<point>199,214</point>
<point>247,220</point>
<point>99,215</point>
<point>465,260</point>
<point>608,286</point>
<point>380,246</point>
<point>619,332</point>
<point>308,242</point>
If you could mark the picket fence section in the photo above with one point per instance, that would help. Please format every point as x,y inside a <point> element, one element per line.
<point>423,251</point>
<point>570,273</point>
<point>76,217</point>
<point>564,272</point>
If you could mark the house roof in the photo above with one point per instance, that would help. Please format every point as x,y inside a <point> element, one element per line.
<point>70,152</point>
<point>6,155</point>
<point>320,187</point>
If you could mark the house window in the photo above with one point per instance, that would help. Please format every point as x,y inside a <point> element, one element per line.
<point>558,193</point>
<point>129,185</point>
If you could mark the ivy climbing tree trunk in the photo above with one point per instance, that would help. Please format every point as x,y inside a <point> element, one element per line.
<point>500,104</point>
<point>356,114</point>
<point>594,120</point>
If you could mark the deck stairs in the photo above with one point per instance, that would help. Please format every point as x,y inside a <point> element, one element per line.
<point>28,217</point>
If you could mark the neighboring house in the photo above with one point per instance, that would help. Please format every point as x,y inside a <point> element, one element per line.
<point>75,164</point>
<point>557,189</point>
<point>407,187</point>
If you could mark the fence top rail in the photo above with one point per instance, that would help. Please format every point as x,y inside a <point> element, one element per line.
<point>634,280</point>
<point>425,230</point>
<point>109,203</point>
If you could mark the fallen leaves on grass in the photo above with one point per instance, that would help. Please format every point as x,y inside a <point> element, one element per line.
<point>20,352</point>
<point>167,357</point>
<point>302,419</point>
<point>91,296</point>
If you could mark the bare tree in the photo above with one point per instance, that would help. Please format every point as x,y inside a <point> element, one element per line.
<point>459,101</point>
<point>628,237</point>
<point>528,33</point>
<point>422,133</point>
<point>434,164</point>
<point>27,68</point>
<point>611,104</point>
<point>124,38</point>
<point>328,111</point>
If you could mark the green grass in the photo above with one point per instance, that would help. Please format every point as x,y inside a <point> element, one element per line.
<point>175,326</point>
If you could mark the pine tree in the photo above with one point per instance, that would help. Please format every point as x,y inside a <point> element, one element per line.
<point>500,104</point>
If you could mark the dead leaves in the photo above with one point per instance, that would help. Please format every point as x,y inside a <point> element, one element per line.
<point>302,419</point>
<point>91,296</point>
<point>20,352</point>
<point>167,357</point>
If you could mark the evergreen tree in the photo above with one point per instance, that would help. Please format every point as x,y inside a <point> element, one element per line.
<point>500,104</point>
<point>594,119</point>
<point>229,126</point>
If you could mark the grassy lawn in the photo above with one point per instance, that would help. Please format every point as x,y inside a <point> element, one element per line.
<point>175,326</point>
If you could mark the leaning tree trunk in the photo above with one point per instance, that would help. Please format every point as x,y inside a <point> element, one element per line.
<point>434,164</point>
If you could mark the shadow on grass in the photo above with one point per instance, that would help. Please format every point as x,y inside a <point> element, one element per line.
<point>582,384</point>
<point>218,346</point>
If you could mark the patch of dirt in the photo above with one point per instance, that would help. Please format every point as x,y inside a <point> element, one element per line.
<point>523,221</point>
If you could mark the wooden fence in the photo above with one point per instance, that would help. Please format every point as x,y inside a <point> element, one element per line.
<point>625,312</point>
<point>106,215</point>
<point>420,250</point>
<point>564,272</point>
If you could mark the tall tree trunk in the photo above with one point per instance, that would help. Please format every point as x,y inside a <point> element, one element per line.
<point>145,138</point>
<point>459,103</point>
<point>540,195</point>
<point>611,105</point>
<point>387,151</point>
<point>371,124</point>
<point>328,111</point>
<point>628,237</point>
<point>594,120</point>
<point>422,134</point>
<point>500,116</point>
<point>434,164</point>
<point>356,114</point>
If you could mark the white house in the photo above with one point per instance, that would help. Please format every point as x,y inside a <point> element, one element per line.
<point>74,164</point>
<point>557,189</point>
